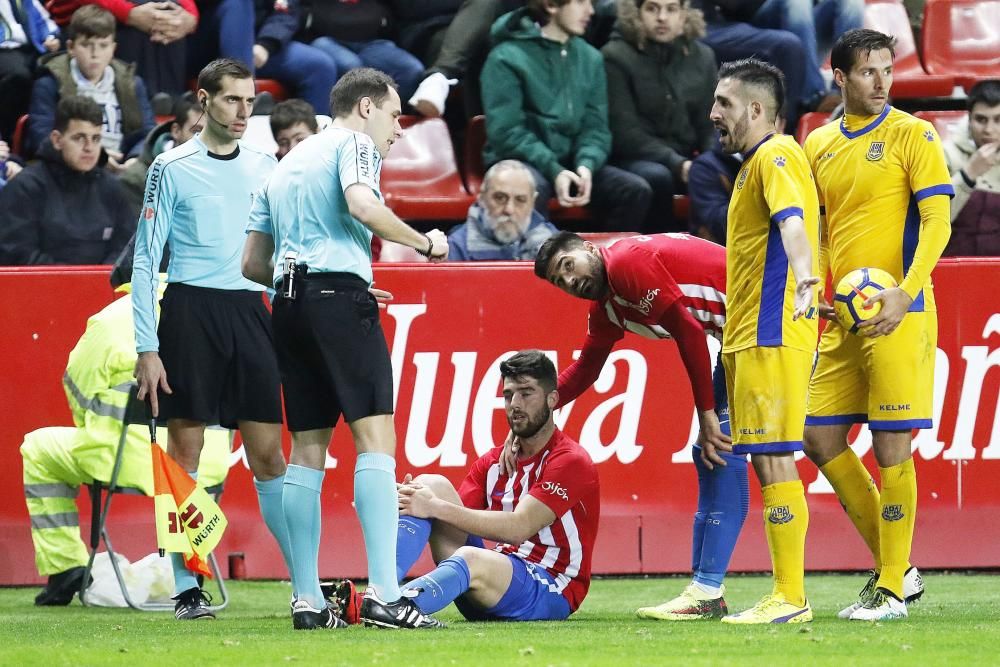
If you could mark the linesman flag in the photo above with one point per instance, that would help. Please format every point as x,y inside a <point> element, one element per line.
<point>188,521</point>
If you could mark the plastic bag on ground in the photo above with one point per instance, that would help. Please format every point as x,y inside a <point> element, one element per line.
<point>150,579</point>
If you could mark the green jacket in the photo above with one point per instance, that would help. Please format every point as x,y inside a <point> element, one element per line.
<point>546,103</point>
<point>125,88</point>
<point>659,94</point>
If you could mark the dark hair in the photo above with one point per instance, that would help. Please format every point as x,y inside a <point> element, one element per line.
<point>985,92</point>
<point>557,243</point>
<point>210,77</point>
<point>358,83</point>
<point>292,112</point>
<point>78,107</point>
<point>182,107</point>
<point>845,50</point>
<point>763,75</point>
<point>538,9</point>
<point>533,364</point>
<point>91,21</point>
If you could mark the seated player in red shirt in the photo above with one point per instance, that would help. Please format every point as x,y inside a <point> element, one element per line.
<point>543,518</point>
<point>664,286</point>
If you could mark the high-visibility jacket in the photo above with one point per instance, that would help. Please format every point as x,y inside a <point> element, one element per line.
<point>97,381</point>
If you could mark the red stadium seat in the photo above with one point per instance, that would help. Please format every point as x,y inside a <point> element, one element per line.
<point>420,177</point>
<point>17,141</point>
<point>949,124</point>
<point>958,40</point>
<point>809,122</point>
<point>278,91</point>
<point>473,167</point>
<point>909,77</point>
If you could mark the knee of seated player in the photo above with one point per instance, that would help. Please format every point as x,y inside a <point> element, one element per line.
<point>486,568</point>
<point>441,486</point>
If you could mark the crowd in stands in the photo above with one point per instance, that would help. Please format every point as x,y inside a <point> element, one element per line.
<point>596,111</point>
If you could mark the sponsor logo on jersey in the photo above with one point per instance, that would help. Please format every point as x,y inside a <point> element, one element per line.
<point>892,512</point>
<point>365,167</point>
<point>555,489</point>
<point>875,151</point>
<point>743,179</point>
<point>780,515</point>
<point>149,213</point>
<point>646,303</point>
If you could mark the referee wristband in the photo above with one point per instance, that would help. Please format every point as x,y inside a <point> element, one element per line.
<point>430,247</point>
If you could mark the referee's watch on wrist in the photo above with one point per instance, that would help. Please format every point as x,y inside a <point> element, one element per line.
<point>430,247</point>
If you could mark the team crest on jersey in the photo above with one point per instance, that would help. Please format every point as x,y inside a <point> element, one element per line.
<point>743,179</point>
<point>875,151</point>
<point>892,512</point>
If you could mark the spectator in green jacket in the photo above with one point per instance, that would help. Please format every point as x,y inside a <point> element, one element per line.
<point>545,97</point>
<point>660,86</point>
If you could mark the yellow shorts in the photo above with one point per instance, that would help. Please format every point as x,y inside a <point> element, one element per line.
<point>886,381</point>
<point>767,398</point>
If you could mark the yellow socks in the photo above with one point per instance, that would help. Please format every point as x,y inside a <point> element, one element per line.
<point>899,509</point>
<point>859,496</point>
<point>786,519</point>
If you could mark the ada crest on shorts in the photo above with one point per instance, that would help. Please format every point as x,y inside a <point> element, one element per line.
<point>892,512</point>
<point>875,151</point>
<point>780,515</point>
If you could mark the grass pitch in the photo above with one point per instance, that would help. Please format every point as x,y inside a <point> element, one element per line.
<point>956,623</point>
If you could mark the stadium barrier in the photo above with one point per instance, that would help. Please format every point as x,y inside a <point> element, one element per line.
<point>447,328</point>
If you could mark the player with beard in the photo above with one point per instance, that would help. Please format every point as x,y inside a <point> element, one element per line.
<point>664,286</point>
<point>544,517</point>
<point>770,332</point>
<point>503,223</point>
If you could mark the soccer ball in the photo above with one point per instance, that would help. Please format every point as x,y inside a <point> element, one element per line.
<point>852,291</point>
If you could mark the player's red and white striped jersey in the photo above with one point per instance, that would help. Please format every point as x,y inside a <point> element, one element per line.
<point>564,478</point>
<point>647,274</point>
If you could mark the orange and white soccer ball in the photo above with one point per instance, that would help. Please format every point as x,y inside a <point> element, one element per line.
<point>852,292</point>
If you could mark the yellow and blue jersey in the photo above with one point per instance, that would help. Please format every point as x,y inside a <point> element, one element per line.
<point>773,184</point>
<point>871,173</point>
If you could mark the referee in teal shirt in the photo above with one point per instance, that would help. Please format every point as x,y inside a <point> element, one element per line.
<point>319,210</point>
<point>211,361</point>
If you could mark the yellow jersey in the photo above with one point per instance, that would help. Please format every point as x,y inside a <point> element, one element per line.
<point>773,184</point>
<point>871,172</point>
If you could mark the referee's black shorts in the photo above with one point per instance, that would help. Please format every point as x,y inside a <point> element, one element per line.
<point>217,349</point>
<point>332,352</point>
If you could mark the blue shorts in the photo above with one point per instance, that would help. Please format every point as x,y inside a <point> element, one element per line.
<point>532,596</point>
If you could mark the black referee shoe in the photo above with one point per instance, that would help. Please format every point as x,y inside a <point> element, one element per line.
<point>306,617</point>
<point>192,605</point>
<point>403,613</point>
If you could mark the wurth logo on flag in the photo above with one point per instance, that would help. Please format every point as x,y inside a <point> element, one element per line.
<point>194,530</point>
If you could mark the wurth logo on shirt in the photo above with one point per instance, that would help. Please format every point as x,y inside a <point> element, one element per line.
<point>555,489</point>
